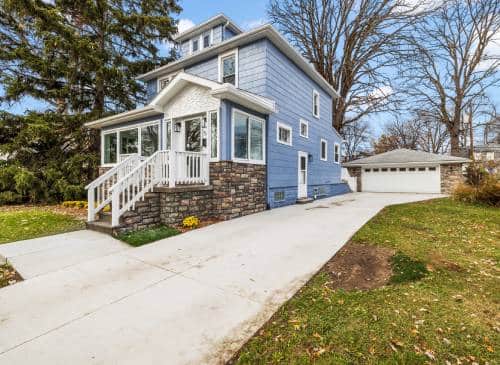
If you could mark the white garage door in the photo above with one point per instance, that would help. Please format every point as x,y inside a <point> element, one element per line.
<point>418,179</point>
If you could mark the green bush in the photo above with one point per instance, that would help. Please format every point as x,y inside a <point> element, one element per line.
<point>9,197</point>
<point>476,174</point>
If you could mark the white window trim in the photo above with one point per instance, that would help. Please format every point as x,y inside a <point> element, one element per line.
<point>287,127</point>
<point>336,147</point>
<point>303,121</point>
<point>236,66</point>
<point>321,149</point>
<point>248,161</point>
<point>209,137</point>
<point>118,146</point>
<point>316,93</point>
<point>169,76</point>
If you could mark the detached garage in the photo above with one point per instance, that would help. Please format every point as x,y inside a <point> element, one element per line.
<point>407,171</point>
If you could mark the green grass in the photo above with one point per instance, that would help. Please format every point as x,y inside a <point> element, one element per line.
<point>450,313</point>
<point>33,222</point>
<point>145,236</point>
<point>405,269</point>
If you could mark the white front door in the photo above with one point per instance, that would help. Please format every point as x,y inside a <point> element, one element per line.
<point>302,170</point>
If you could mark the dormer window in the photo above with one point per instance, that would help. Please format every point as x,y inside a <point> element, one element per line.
<point>206,40</point>
<point>195,45</point>
<point>164,81</point>
<point>228,68</point>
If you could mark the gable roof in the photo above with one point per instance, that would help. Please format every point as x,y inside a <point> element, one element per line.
<point>207,25</point>
<point>406,156</point>
<point>266,31</point>
<point>217,90</point>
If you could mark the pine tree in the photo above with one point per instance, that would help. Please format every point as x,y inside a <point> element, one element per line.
<point>80,58</point>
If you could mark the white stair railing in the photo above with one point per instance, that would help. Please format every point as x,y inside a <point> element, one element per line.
<point>132,187</point>
<point>99,190</point>
<point>191,168</point>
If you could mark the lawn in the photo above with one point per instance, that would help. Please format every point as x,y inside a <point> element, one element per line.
<point>451,315</point>
<point>145,236</point>
<point>31,222</point>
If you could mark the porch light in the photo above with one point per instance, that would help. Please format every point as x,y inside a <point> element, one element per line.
<point>177,127</point>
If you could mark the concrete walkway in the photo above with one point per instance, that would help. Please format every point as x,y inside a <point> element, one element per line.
<point>191,299</point>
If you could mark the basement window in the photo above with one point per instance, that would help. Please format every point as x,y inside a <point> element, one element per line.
<point>279,196</point>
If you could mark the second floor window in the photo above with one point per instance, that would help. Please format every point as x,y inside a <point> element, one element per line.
<point>228,69</point>
<point>324,150</point>
<point>315,104</point>
<point>195,45</point>
<point>336,151</point>
<point>284,134</point>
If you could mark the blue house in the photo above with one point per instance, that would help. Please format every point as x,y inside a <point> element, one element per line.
<point>239,123</point>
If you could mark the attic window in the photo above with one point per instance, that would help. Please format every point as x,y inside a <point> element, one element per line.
<point>195,45</point>
<point>206,40</point>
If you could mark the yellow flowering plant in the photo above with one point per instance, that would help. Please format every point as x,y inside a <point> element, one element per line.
<point>190,222</point>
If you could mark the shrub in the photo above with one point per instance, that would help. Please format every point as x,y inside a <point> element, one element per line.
<point>9,197</point>
<point>488,192</point>
<point>191,222</point>
<point>476,174</point>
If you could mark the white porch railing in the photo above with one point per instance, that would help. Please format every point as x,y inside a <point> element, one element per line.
<point>162,168</point>
<point>98,191</point>
<point>190,168</point>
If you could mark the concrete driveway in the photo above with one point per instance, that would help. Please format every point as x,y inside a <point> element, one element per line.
<point>191,299</point>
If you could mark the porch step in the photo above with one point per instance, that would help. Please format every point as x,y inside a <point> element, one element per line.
<point>304,200</point>
<point>105,217</point>
<point>100,226</point>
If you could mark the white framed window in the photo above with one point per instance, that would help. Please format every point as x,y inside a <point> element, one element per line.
<point>336,153</point>
<point>213,119</point>
<point>284,134</point>
<point>315,103</point>
<point>304,128</point>
<point>323,150</point>
<point>248,138</point>
<point>195,45</point>
<point>228,67</point>
<point>164,81</point>
<point>118,143</point>
<point>206,39</point>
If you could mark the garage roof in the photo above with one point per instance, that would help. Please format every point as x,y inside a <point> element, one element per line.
<point>406,156</point>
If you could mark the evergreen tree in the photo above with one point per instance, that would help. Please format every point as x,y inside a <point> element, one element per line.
<point>80,57</point>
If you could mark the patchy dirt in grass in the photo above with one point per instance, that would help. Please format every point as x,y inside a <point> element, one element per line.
<point>8,275</point>
<point>78,213</point>
<point>360,267</point>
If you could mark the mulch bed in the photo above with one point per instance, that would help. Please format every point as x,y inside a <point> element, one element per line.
<point>360,267</point>
<point>202,224</point>
<point>8,275</point>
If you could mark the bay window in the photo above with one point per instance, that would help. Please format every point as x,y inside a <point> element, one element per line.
<point>248,138</point>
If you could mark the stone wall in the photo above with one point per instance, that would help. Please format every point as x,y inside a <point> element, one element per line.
<point>356,172</point>
<point>451,176</point>
<point>235,190</point>
<point>145,215</point>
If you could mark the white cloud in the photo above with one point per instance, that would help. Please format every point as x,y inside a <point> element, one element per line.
<point>382,91</point>
<point>185,24</point>
<point>254,23</point>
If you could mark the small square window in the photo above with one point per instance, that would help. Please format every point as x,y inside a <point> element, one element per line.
<point>384,169</point>
<point>394,169</point>
<point>304,129</point>
<point>421,169</point>
<point>432,169</point>
<point>279,196</point>
<point>324,150</point>
<point>402,169</point>
<point>284,134</point>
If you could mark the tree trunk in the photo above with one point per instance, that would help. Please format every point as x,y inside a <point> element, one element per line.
<point>455,138</point>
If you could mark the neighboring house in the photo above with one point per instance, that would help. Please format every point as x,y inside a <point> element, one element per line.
<point>407,171</point>
<point>489,150</point>
<point>240,123</point>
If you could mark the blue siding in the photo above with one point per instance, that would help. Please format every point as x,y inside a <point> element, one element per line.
<point>217,35</point>
<point>292,89</point>
<point>207,69</point>
<point>252,67</point>
<point>184,49</point>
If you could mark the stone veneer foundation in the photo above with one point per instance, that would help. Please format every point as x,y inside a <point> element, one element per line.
<point>235,190</point>
<point>451,176</point>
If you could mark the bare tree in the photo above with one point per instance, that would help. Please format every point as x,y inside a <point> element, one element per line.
<point>356,139</point>
<point>450,68</point>
<point>351,43</point>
